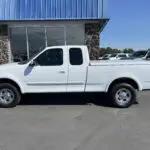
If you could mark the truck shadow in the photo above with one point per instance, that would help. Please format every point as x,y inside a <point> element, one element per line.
<point>66,99</point>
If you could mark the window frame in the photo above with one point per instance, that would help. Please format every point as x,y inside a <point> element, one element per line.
<point>81,55</point>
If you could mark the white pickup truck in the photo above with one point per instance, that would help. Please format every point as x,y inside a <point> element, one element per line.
<point>69,69</point>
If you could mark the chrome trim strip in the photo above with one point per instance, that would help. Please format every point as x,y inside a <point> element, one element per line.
<point>53,84</point>
<point>45,84</point>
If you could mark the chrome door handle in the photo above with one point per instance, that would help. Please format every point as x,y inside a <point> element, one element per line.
<point>62,72</point>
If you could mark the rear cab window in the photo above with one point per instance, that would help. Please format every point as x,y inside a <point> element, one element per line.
<point>75,56</point>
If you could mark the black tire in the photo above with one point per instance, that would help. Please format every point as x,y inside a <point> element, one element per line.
<point>117,101</point>
<point>16,95</point>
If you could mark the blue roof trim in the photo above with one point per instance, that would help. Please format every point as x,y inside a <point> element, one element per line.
<point>53,9</point>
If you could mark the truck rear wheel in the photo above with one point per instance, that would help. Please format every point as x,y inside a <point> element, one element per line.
<point>123,95</point>
<point>9,95</point>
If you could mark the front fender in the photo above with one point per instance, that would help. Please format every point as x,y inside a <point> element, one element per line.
<point>14,79</point>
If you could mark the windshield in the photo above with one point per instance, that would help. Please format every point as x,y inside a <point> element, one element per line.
<point>139,54</point>
<point>28,60</point>
<point>113,55</point>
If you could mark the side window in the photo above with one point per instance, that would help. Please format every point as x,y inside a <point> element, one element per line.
<point>52,57</point>
<point>123,56</point>
<point>76,57</point>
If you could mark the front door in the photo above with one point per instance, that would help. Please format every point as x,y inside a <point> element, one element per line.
<point>50,73</point>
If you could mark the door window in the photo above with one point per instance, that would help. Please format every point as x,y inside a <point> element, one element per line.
<point>52,57</point>
<point>76,57</point>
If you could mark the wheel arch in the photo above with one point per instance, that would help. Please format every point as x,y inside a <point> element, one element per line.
<point>11,81</point>
<point>127,80</point>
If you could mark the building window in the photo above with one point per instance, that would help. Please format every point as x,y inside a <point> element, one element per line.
<point>26,40</point>
<point>36,38</point>
<point>75,34</point>
<point>55,36</point>
<point>18,44</point>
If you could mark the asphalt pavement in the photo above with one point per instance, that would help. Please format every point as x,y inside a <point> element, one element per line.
<point>75,122</point>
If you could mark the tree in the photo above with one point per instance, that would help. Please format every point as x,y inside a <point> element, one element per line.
<point>116,51</point>
<point>129,50</point>
<point>109,50</point>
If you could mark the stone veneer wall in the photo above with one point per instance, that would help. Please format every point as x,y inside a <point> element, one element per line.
<point>4,54</point>
<point>4,46</point>
<point>92,39</point>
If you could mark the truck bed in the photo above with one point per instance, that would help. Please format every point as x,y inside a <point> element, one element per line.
<point>102,73</point>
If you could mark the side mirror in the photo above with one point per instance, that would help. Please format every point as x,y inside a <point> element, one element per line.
<point>33,63</point>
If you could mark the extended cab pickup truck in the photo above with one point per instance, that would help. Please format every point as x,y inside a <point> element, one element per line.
<point>69,69</point>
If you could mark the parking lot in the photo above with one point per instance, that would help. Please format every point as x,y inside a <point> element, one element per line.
<point>75,122</point>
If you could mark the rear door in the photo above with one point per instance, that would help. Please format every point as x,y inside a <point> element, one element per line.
<point>77,70</point>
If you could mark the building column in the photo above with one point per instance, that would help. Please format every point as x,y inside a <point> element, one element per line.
<point>92,39</point>
<point>4,45</point>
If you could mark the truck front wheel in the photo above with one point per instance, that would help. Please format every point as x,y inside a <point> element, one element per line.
<point>9,95</point>
<point>123,95</point>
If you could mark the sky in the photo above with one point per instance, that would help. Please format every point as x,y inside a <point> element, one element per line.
<point>129,25</point>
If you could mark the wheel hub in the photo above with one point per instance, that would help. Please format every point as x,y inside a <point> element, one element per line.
<point>6,96</point>
<point>123,96</point>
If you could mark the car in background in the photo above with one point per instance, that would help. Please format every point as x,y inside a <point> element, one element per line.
<point>119,56</point>
<point>105,57</point>
<point>141,54</point>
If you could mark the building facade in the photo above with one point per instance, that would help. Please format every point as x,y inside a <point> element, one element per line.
<point>28,26</point>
